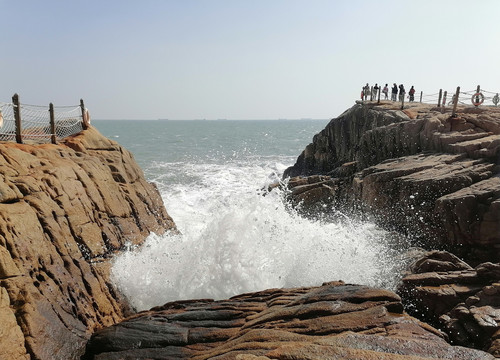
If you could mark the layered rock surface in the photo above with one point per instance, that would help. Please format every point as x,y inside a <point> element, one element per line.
<point>333,321</point>
<point>64,211</point>
<point>419,171</point>
<point>463,301</point>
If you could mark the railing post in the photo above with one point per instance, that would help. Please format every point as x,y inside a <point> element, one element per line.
<point>478,90</point>
<point>17,117</point>
<point>82,107</point>
<point>440,95</point>
<point>379,88</point>
<point>403,101</point>
<point>455,102</point>
<point>421,94</point>
<point>444,98</point>
<point>52,124</point>
<point>371,93</point>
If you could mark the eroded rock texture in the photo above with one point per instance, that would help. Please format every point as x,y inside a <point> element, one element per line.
<point>419,171</point>
<point>64,211</point>
<point>334,321</point>
<point>461,300</point>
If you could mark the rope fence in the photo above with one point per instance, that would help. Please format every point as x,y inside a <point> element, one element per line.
<point>477,97</point>
<point>41,124</point>
<point>471,97</point>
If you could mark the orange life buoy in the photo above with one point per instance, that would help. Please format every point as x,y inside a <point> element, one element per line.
<point>477,99</point>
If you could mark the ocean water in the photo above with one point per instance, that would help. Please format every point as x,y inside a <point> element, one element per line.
<point>233,239</point>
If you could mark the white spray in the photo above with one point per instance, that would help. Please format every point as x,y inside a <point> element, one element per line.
<point>234,240</point>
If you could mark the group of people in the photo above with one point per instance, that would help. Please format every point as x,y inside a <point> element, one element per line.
<point>366,91</point>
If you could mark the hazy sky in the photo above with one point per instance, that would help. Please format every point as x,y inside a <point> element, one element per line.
<point>235,59</point>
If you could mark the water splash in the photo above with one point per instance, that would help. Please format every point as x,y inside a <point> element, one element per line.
<point>235,240</point>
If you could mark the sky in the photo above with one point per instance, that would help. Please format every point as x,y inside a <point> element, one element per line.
<point>235,59</point>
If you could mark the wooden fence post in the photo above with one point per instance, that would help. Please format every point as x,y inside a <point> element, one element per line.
<point>421,93</point>
<point>444,98</point>
<point>17,117</point>
<point>455,102</point>
<point>82,107</point>
<point>403,101</point>
<point>378,101</point>
<point>440,95</point>
<point>478,90</point>
<point>52,124</point>
<point>371,93</point>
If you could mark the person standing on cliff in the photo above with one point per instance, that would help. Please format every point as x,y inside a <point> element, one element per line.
<point>366,91</point>
<point>375,91</point>
<point>385,90</point>
<point>412,93</point>
<point>394,92</point>
<point>402,92</point>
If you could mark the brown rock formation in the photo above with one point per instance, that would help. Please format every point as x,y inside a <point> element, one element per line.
<point>463,301</point>
<point>64,211</point>
<point>334,321</point>
<point>433,177</point>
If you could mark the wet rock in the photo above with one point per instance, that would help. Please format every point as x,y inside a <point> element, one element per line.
<point>335,320</point>
<point>419,172</point>
<point>439,261</point>
<point>464,303</point>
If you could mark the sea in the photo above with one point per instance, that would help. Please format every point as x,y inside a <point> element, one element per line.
<point>234,237</point>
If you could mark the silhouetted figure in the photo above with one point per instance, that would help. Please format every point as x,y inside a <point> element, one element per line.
<point>412,94</point>
<point>375,91</point>
<point>402,92</point>
<point>394,92</point>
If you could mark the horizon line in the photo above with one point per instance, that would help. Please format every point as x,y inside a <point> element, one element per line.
<point>220,119</point>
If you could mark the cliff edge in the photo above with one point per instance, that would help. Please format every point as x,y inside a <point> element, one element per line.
<point>65,210</point>
<point>420,171</point>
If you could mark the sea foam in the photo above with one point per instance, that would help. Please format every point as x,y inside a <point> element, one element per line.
<point>235,240</point>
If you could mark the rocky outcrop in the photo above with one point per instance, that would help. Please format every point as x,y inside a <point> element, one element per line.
<point>333,321</point>
<point>463,301</point>
<point>64,211</point>
<point>419,171</point>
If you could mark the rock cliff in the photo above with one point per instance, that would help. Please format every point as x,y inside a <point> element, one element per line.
<point>420,171</point>
<point>64,211</point>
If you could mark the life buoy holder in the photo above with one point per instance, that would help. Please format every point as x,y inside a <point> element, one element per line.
<point>477,99</point>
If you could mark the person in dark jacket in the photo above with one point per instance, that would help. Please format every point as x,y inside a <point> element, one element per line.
<point>402,92</point>
<point>394,92</point>
<point>412,93</point>
<point>375,92</point>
